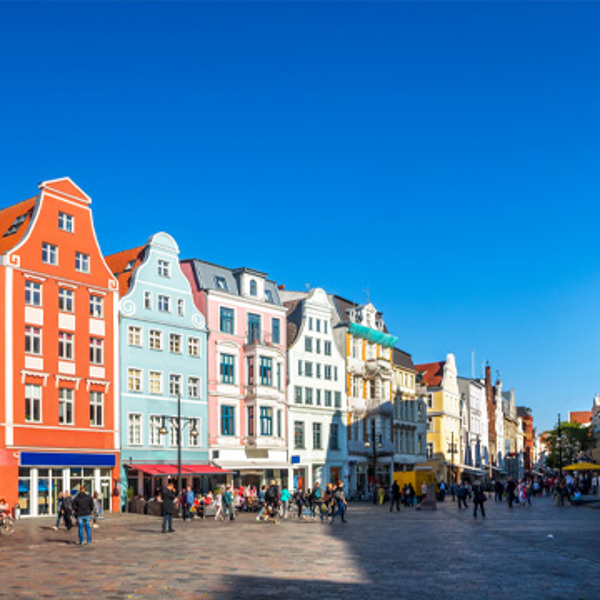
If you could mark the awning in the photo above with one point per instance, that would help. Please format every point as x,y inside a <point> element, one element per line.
<point>66,459</point>
<point>472,469</point>
<point>373,335</point>
<point>172,469</point>
<point>582,466</point>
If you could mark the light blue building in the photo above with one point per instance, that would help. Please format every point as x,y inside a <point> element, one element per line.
<point>162,370</point>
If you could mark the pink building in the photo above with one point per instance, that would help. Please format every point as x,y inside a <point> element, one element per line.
<point>246,370</point>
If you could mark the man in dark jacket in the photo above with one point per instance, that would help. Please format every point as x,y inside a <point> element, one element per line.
<point>168,501</point>
<point>83,506</point>
<point>396,497</point>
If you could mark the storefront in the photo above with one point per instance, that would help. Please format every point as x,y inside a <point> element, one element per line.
<point>258,473</point>
<point>43,475</point>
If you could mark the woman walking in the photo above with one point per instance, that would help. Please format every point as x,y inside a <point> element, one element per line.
<point>479,498</point>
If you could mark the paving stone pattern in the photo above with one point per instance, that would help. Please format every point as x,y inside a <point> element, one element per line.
<point>412,554</point>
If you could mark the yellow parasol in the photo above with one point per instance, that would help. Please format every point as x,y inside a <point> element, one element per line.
<point>582,466</point>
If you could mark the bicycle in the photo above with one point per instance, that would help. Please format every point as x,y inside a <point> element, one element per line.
<point>7,525</point>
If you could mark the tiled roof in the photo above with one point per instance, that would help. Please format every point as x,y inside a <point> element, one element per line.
<point>580,416</point>
<point>14,221</point>
<point>122,264</point>
<point>433,373</point>
<point>403,359</point>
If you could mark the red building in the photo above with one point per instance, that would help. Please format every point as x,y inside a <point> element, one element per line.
<point>528,437</point>
<point>59,422</point>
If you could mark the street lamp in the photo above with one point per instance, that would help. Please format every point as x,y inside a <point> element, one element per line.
<point>452,451</point>
<point>180,423</point>
<point>376,442</point>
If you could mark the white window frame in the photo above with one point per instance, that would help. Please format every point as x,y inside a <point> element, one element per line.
<point>155,382</point>
<point>33,293</point>
<point>164,268</point>
<point>175,343</point>
<point>164,303</point>
<point>155,339</point>
<point>35,338</point>
<point>66,345</point>
<point>94,406</point>
<point>135,376</point>
<point>49,254</point>
<point>194,387</point>
<point>65,297</point>
<point>134,429</point>
<point>175,383</point>
<point>154,425</point>
<point>194,346</point>
<point>96,306</point>
<point>33,399</point>
<point>82,262</point>
<point>66,222</point>
<point>134,336</point>
<point>65,402</point>
<point>96,351</point>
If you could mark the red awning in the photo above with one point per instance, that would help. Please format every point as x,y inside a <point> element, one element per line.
<point>185,469</point>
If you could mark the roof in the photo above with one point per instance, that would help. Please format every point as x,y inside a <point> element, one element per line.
<point>580,416</point>
<point>403,359</point>
<point>344,305</point>
<point>433,373</point>
<point>122,264</point>
<point>294,319</point>
<point>14,221</point>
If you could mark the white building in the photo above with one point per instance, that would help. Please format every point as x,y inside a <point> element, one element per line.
<point>317,405</point>
<point>474,425</point>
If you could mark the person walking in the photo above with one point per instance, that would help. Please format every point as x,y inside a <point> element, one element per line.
<point>260,496</point>
<point>498,491</point>
<point>68,510</point>
<point>219,505</point>
<point>462,494</point>
<point>83,506</point>
<point>340,501</point>
<point>511,486</point>
<point>285,501</point>
<point>396,497</point>
<point>479,498</point>
<point>188,500</point>
<point>168,506</point>
<point>60,511</point>
<point>228,503</point>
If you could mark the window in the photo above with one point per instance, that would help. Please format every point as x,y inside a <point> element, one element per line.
<point>82,262</point>
<point>318,345</point>
<point>227,420</point>
<point>327,348</point>
<point>227,368</point>
<point>33,340</point>
<point>65,345</point>
<point>299,367</point>
<point>297,394</point>
<point>33,293</point>
<point>49,254</point>
<point>266,420</point>
<point>226,320</point>
<point>148,300</point>
<point>33,403</point>
<point>155,339</point>
<point>318,365</point>
<point>96,409</point>
<point>308,368</point>
<point>253,328</point>
<point>175,343</point>
<point>328,398</point>
<point>279,378</point>
<point>193,387</point>
<point>164,268</point>
<point>253,288</point>
<point>327,371</point>
<point>164,303</point>
<point>429,423</point>
<point>298,435</point>
<point>220,283</point>
<point>250,369</point>
<point>134,336</point>
<point>194,346</point>
<point>266,371</point>
<point>96,307</point>
<point>66,300</point>
<point>430,401</point>
<point>324,326</point>
<point>269,296</point>
<point>334,437</point>
<point>155,382</point>
<point>310,323</point>
<point>279,423</point>
<point>335,373</point>
<point>194,437</point>
<point>356,387</point>
<point>134,429</point>
<point>134,380</point>
<point>181,307</point>
<point>96,351</point>
<point>308,344</point>
<point>318,398</point>
<point>276,331</point>
<point>174,385</point>
<point>154,425</point>
<point>173,433</point>
<point>65,222</point>
<point>308,395</point>
<point>338,399</point>
<point>420,445</point>
<point>251,420</point>
<point>318,324</point>
<point>429,450</point>
<point>65,406</point>
<point>317,434</point>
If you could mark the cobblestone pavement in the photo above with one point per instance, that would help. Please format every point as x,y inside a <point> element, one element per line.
<point>411,554</point>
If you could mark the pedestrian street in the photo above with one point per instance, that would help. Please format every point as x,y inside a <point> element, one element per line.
<point>538,552</point>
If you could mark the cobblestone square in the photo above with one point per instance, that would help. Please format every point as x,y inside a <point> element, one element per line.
<point>413,554</point>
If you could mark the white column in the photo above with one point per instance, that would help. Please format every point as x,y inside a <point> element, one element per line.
<point>33,492</point>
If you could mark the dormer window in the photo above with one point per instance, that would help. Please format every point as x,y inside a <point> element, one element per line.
<point>220,283</point>
<point>269,295</point>
<point>129,266</point>
<point>253,288</point>
<point>164,268</point>
<point>16,224</point>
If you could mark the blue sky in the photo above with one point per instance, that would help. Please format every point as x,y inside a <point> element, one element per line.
<point>443,155</point>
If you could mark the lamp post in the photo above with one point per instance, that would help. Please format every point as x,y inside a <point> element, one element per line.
<point>452,451</point>
<point>559,439</point>
<point>376,442</point>
<point>180,423</point>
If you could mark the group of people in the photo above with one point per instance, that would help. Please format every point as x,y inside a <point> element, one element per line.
<point>83,508</point>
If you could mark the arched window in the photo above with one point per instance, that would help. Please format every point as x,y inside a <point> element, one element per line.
<point>253,291</point>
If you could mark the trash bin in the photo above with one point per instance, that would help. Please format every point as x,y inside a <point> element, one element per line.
<point>16,511</point>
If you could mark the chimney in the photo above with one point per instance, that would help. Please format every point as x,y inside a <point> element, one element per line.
<point>281,286</point>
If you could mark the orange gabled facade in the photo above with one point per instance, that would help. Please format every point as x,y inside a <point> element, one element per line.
<point>59,422</point>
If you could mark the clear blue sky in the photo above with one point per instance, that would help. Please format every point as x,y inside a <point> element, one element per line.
<point>446,156</point>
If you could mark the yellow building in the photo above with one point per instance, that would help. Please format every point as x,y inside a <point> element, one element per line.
<point>440,388</point>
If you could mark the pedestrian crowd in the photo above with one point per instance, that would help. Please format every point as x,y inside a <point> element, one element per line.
<point>82,508</point>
